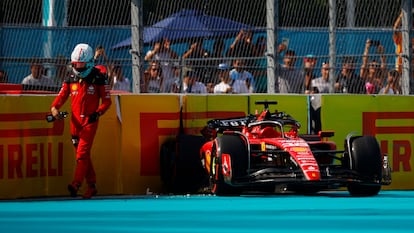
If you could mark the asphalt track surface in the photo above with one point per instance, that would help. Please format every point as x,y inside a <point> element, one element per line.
<point>390,211</point>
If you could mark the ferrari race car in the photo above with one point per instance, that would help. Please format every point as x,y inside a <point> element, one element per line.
<point>263,152</point>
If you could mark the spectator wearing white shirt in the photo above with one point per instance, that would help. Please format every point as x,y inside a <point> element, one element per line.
<point>319,85</point>
<point>225,80</point>
<point>36,77</point>
<point>322,84</point>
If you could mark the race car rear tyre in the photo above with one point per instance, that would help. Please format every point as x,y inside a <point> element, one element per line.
<point>366,161</point>
<point>180,164</point>
<point>235,146</point>
<point>167,164</point>
<point>189,172</point>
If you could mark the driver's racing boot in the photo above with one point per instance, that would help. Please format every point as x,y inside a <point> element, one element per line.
<point>73,189</point>
<point>91,191</point>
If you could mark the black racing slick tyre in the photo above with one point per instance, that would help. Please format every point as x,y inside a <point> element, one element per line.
<point>180,165</point>
<point>366,159</point>
<point>189,172</point>
<point>167,164</point>
<point>236,147</point>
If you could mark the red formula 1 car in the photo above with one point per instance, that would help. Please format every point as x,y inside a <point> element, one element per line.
<point>264,152</point>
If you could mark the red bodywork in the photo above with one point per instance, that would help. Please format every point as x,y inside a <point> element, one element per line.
<point>265,152</point>
<point>298,148</point>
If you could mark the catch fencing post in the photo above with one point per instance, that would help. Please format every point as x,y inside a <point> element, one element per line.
<point>137,44</point>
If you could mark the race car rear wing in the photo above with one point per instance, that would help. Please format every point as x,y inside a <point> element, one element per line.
<point>216,126</point>
<point>229,124</point>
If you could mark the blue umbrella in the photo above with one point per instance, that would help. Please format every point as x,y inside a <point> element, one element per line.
<point>188,24</point>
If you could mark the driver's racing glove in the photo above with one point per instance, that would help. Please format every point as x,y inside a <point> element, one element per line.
<point>93,117</point>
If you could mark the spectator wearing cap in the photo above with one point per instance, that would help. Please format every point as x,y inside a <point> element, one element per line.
<point>243,81</point>
<point>225,81</point>
<point>192,85</point>
<point>291,79</point>
<point>37,78</point>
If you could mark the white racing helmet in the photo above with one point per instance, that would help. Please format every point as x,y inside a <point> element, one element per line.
<point>82,53</point>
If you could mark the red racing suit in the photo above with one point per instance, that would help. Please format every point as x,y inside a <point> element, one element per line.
<point>88,95</point>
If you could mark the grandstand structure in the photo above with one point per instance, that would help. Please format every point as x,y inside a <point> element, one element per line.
<point>330,31</point>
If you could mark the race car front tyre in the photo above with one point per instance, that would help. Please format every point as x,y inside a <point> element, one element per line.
<point>236,148</point>
<point>366,159</point>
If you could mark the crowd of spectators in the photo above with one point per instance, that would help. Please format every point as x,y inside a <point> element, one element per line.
<point>242,68</point>
<point>246,62</point>
<point>204,68</point>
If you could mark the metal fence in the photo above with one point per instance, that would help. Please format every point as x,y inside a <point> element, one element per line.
<point>270,46</point>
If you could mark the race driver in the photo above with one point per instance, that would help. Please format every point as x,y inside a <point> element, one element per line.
<point>90,98</point>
